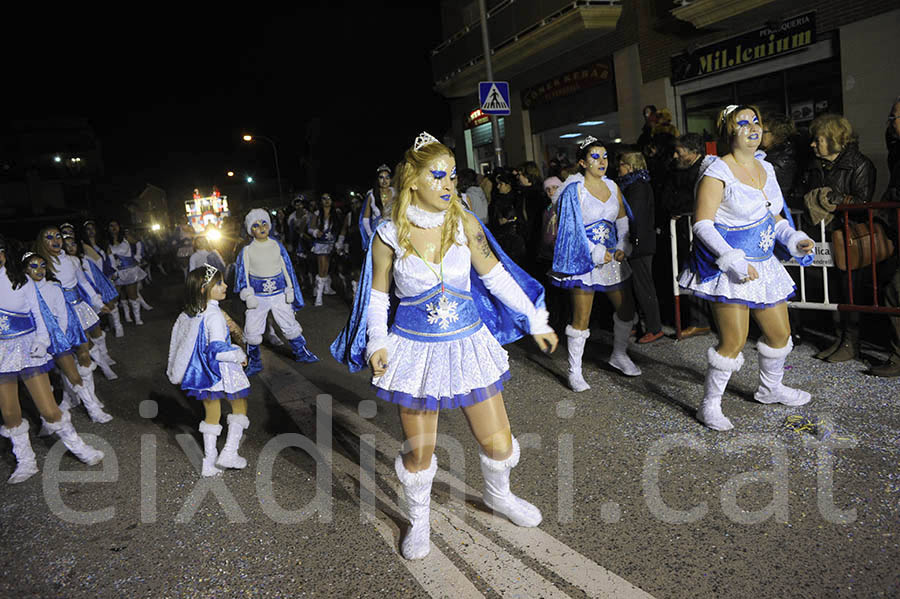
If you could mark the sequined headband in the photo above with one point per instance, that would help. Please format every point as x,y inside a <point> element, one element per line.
<point>587,141</point>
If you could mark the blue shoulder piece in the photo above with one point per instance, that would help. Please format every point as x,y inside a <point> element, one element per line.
<point>571,255</point>
<point>289,266</point>
<point>202,371</point>
<point>59,344</point>
<point>503,322</point>
<point>240,279</point>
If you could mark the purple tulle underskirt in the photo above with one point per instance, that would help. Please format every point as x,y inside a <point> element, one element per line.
<point>433,404</point>
<point>204,394</point>
<point>576,284</point>
<point>27,373</point>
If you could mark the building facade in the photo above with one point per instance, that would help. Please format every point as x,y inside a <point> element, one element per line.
<point>589,67</point>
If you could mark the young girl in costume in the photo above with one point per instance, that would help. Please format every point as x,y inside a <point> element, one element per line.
<point>457,305</point>
<point>105,289</point>
<point>377,204</point>
<point>208,367</point>
<point>328,233</point>
<point>98,270</point>
<point>126,260</point>
<point>65,333</point>
<point>264,278</point>
<point>590,255</point>
<point>23,356</point>
<point>739,234</point>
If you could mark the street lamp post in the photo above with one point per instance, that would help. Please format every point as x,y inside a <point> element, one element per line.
<point>248,137</point>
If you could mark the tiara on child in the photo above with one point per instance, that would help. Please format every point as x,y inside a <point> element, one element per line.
<point>28,255</point>
<point>209,274</point>
<point>423,140</point>
<point>587,141</point>
<point>383,168</point>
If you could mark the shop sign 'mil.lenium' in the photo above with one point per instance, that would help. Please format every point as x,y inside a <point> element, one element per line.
<point>791,35</point>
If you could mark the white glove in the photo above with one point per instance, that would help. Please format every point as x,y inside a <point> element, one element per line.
<point>730,260</point>
<point>598,254</point>
<point>501,284</point>
<point>339,245</point>
<point>376,324</point>
<point>622,235</point>
<point>38,349</point>
<point>236,355</point>
<point>790,237</point>
<point>289,296</point>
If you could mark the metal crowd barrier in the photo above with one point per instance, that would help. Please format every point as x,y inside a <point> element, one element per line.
<point>823,260</point>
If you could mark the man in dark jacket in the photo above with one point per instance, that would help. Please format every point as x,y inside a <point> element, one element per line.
<point>678,202</point>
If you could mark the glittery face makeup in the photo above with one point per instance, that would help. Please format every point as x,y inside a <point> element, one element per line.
<point>52,240</point>
<point>36,268</point>
<point>596,161</point>
<point>748,127</point>
<point>437,183</point>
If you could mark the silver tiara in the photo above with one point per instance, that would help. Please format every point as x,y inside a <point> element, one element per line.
<point>64,225</point>
<point>587,141</point>
<point>384,168</point>
<point>209,274</point>
<point>423,140</point>
<point>728,110</point>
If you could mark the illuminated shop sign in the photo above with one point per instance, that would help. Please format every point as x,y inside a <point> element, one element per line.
<point>595,73</point>
<point>476,117</point>
<point>791,35</point>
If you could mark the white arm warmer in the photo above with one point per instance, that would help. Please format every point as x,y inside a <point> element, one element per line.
<point>367,226</point>
<point>789,237</point>
<point>376,324</point>
<point>598,254</point>
<point>501,284</point>
<point>729,259</point>
<point>622,235</point>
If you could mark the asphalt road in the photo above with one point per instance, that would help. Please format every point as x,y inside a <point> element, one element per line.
<point>638,498</point>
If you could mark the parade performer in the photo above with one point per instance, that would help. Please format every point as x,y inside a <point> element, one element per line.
<point>264,278</point>
<point>141,250</point>
<point>739,234</point>
<point>327,230</point>
<point>203,361</point>
<point>99,351</point>
<point>98,270</point>
<point>126,260</point>
<point>377,205</point>
<point>590,255</point>
<point>23,356</point>
<point>456,304</point>
<point>65,333</point>
<point>78,291</point>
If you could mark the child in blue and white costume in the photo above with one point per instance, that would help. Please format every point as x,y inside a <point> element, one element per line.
<point>99,271</point>
<point>125,258</point>
<point>443,349</point>
<point>264,277</point>
<point>739,235</point>
<point>590,255</point>
<point>23,356</point>
<point>66,335</point>
<point>203,361</point>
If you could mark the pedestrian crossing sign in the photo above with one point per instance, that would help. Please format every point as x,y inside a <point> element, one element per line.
<point>494,97</point>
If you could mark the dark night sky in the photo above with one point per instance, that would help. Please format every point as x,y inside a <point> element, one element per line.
<point>170,92</point>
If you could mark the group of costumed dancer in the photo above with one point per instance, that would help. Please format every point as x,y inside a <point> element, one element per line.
<point>51,300</point>
<point>436,301</point>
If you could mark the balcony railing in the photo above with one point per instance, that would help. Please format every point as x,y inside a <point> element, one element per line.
<point>509,22</point>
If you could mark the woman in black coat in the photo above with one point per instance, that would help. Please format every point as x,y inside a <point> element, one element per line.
<point>634,181</point>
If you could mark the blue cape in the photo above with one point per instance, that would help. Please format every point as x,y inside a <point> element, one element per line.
<point>572,254</point>
<point>240,279</point>
<point>59,343</point>
<point>203,370</point>
<point>101,283</point>
<point>505,324</point>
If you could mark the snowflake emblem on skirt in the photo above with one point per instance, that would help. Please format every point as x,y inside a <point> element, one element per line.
<point>599,234</point>
<point>766,239</point>
<point>4,324</point>
<point>442,313</point>
<point>269,286</point>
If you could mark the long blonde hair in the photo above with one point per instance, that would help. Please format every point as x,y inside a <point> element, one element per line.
<point>414,162</point>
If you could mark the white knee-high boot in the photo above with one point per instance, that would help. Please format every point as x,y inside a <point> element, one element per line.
<point>126,308</point>
<point>117,322</point>
<point>417,490</point>
<point>210,434</point>
<point>104,350</point>
<point>26,463</point>
<point>101,359</point>
<point>229,457</point>
<point>497,495</point>
<point>717,374</point>
<point>66,433</point>
<point>320,288</point>
<point>619,358</point>
<point>88,396</point>
<point>136,310</point>
<point>575,346</point>
<point>328,289</point>
<point>771,372</point>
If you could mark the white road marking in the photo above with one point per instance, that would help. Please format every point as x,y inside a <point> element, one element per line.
<point>505,573</point>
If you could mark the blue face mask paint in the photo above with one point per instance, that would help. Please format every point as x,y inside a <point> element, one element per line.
<point>439,174</point>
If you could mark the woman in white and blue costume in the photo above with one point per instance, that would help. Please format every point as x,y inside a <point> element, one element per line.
<point>739,233</point>
<point>590,255</point>
<point>377,204</point>
<point>264,277</point>
<point>66,335</point>
<point>456,304</point>
<point>23,356</point>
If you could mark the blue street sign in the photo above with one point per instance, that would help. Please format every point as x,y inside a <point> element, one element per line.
<point>494,97</point>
